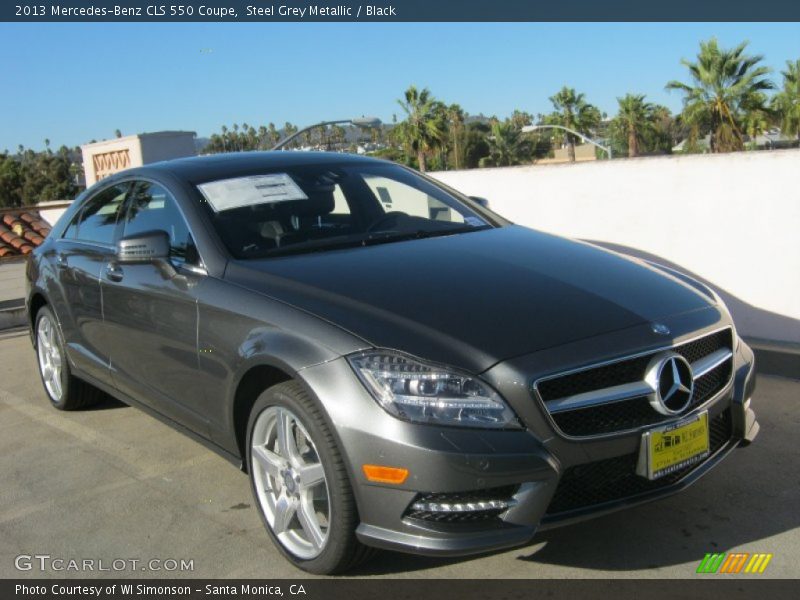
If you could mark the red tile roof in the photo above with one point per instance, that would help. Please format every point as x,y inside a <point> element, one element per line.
<point>20,232</point>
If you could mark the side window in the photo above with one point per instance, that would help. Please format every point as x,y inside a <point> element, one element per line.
<point>71,232</point>
<point>340,206</point>
<point>97,220</point>
<point>151,207</point>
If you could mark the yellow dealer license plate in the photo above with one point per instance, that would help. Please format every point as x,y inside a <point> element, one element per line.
<point>672,447</point>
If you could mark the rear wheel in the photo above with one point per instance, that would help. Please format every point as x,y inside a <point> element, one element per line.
<point>300,483</point>
<point>66,392</point>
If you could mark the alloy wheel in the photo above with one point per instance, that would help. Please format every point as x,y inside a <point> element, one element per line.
<point>290,482</point>
<point>49,355</point>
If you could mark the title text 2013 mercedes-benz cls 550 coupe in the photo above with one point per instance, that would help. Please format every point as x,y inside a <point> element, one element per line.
<point>393,364</point>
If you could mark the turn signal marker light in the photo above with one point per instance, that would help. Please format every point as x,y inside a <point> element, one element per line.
<point>380,474</point>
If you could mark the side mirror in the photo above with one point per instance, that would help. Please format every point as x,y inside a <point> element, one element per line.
<point>482,201</point>
<point>143,247</point>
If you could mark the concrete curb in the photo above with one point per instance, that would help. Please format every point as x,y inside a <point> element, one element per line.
<point>12,314</point>
<point>776,358</point>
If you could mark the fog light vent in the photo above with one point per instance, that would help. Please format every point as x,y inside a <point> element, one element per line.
<point>446,507</point>
<point>463,507</point>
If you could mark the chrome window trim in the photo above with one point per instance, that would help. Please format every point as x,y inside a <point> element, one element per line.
<point>86,243</point>
<point>194,269</point>
<point>624,432</point>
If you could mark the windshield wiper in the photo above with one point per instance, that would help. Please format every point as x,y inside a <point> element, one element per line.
<point>396,236</point>
<point>370,240</point>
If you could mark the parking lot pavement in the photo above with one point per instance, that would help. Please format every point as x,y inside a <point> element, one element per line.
<point>113,483</point>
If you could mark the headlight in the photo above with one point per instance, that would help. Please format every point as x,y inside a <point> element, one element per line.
<point>425,393</point>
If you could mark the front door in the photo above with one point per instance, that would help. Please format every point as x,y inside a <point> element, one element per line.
<point>151,313</point>
<point>81,254</point>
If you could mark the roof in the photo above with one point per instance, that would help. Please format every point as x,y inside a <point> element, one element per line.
<point>21,231</point>
<point>197,169</point>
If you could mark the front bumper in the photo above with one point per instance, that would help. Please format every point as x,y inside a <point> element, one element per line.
<point>530,463</point>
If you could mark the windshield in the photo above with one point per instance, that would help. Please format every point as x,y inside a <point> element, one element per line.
<point>312,208</point>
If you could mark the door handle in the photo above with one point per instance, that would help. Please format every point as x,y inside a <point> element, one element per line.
<point>114,272</point>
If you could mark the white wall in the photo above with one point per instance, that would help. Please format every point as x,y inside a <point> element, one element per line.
<point>51,215</point>
<point>731,220</point>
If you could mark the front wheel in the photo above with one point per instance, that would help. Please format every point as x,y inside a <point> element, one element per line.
<point>300,482</point>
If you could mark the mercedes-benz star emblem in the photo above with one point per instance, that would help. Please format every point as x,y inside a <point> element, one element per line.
<point>660,329</point>
<point>670,377</point>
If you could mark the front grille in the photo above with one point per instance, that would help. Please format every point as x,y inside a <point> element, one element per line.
<point>498,493</point>
<point>636,412</point>
<point>631,414</point>
<point>615,478</point>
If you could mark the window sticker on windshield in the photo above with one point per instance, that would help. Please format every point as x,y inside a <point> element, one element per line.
<point>251,191</point>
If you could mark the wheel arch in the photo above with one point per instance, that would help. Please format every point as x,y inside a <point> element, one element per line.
<point>250,386</point>
<point>257,378</point>
<point>36,301</point>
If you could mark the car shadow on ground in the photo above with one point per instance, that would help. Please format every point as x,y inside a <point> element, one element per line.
<point>389,563</point>
<point>106,403</point>
<point>749,497</point>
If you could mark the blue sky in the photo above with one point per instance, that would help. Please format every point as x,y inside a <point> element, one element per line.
<point>75,82</point>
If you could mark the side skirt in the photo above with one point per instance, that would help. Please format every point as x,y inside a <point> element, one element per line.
<point>125,399</point>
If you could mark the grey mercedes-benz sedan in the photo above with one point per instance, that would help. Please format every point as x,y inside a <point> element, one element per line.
<point>394,365</point>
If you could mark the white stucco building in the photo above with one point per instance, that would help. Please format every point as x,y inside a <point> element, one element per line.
<point>101,159</point>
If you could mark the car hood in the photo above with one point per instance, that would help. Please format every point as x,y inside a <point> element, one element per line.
<point>473,299</point>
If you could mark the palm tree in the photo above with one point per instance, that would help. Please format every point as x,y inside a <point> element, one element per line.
<point>634,120</point>
<point>722,81</point>
<point>520,118</point>
<point>424,129</point>
<point>787,101</point>
<point>338,135</point>
<point>274,134</point>
<point>455,119</point>
<point>290,129</point>
<point>756,117</point>
<point>507,146</point>
<point>665,131</point>
<point>263,143</point>
<point>224,137</point>
<point>573,112</point>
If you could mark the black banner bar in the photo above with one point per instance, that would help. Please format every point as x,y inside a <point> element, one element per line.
<point>705,587</point>
<point>266,11</point>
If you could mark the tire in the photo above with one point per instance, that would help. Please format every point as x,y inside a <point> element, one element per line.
<point>284,488</point>
<point>65,391</point>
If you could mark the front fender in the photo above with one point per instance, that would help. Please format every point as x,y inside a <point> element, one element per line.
<point>239,330</point>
